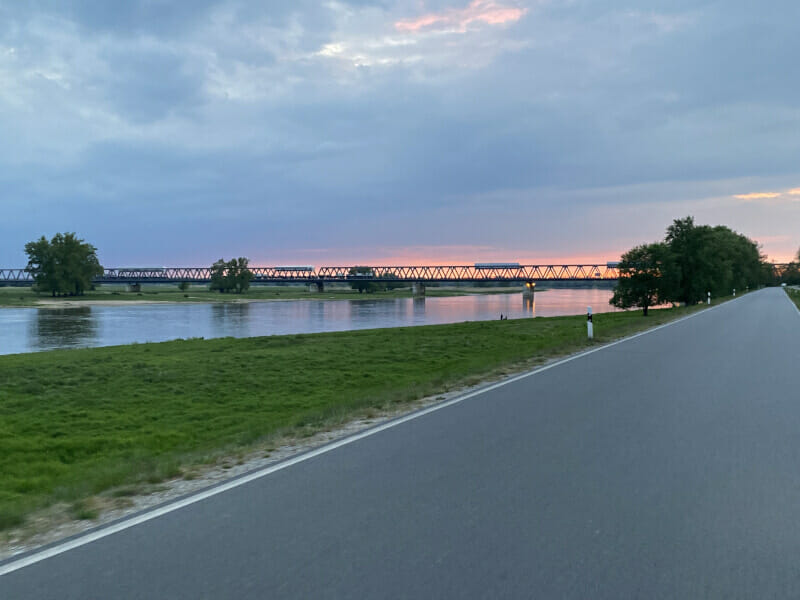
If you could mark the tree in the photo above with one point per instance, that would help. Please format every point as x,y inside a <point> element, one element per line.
<point>712,259</point>
<point>242,275</point>
<point>363,283</point>
<point>65,265</point>
<point>790,274</point>
<point>231,276</point>
<point>218,281</point>
<point>648,277</point>
<point>686,241</point>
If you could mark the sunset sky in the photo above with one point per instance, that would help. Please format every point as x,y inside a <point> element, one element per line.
<point>395,131</point>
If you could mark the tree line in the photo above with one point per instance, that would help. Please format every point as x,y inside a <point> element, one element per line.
<point>791,274</point>
<point>692,261</point>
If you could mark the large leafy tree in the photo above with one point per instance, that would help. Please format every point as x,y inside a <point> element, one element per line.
<point>62,266</point>
<point>712,259</point>
<point>689,246</point>
<point>231,276</point>
<point>648,277</point>
<point>692,261</point>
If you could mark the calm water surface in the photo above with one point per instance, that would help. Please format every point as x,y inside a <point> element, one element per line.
<point>35,329</point>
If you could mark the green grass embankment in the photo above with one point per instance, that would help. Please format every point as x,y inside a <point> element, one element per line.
<point>794,294</point>
<point>75,423</point>
<point>25,296</point>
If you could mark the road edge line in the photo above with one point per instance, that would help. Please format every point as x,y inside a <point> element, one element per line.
<point>789,298</point>
<point>36,556</point>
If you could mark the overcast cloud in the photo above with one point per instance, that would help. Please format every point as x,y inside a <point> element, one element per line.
<point>454,130</point>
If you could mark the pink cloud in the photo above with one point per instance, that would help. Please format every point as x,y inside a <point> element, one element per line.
<point>478,11</point>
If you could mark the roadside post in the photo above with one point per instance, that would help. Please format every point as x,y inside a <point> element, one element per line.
<point>734,292</point>
<point>709,297</point>
<point>589,325</point>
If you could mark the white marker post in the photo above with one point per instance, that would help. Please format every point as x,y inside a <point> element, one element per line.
<point>734,292</point>
<point>589,325</point>
<point>709,297</point>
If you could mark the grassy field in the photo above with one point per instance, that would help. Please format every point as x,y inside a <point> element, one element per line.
<point>24,296</point>
<point>794,294</point>
<point>75,423</point>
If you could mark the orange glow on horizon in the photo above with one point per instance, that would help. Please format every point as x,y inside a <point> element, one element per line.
<point>444,259</point>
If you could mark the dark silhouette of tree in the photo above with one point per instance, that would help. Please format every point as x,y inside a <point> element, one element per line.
<point>692,261</point>
<point>231,276</point>
<point>361,281</point>
<point>712,259</point>
<point>648,277</point>
<point>64,265</point>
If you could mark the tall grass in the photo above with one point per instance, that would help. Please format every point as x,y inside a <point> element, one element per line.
<point>74,423</point>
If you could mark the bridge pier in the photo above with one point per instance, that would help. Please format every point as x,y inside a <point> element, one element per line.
<point>418,289</point>
<point>316,287</point>
<point>134,287</point>
<point>529,289</point>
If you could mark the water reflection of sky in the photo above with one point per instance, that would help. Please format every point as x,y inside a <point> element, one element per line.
<point>30,330</point>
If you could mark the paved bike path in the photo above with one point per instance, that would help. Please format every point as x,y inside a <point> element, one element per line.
<point>664,466</point>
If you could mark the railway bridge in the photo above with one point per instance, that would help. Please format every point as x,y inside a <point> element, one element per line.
<point>316,278</point>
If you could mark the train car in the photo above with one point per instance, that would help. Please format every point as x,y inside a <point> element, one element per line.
<point>484,266</point>
<point>140,270</point>
<point>304,269</point>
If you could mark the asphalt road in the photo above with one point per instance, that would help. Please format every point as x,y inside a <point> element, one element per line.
<point>666,466</point>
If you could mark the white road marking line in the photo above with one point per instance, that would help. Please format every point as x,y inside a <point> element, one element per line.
<point>20,563</point>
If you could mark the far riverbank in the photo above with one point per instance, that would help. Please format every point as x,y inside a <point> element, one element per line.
<point>108,295</point>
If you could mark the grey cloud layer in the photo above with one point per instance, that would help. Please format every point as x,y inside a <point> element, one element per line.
<point>233,127</point>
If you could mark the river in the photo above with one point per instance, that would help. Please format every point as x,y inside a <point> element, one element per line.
<point>37,329</point>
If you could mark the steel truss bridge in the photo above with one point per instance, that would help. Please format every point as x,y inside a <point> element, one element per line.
<point>322,275</point>
<point>410,274</point>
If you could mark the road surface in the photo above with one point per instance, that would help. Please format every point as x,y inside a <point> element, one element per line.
<point>665,466</point>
